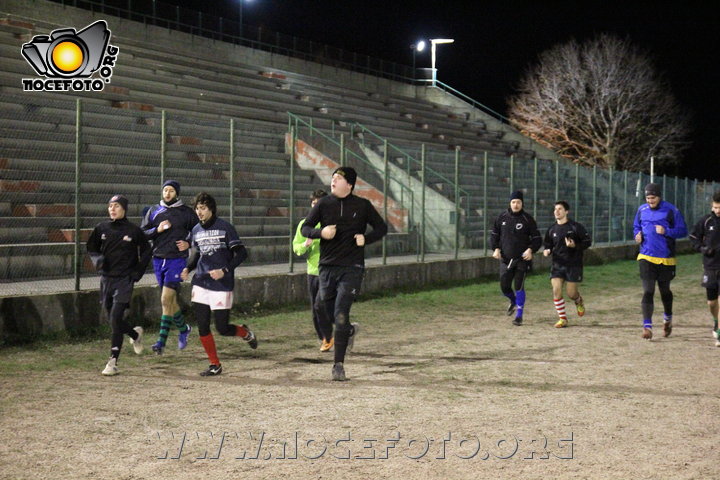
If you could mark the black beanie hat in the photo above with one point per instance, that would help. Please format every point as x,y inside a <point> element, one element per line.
<point>517,194</point>
<point>653,189</point>
<point>349,173</point>
<point>174,184</point>
<point>118,198</point>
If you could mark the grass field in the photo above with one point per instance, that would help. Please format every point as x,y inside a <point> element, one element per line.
<point>441,386</point>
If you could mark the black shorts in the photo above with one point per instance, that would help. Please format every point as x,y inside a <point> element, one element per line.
<point>711,279</point>
<point>569,273</point>
<point>115,290</point>
<point>516,264</point>
<point>340,281</point>
<point>656,272</point>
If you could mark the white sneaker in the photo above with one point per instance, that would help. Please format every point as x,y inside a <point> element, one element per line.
<point>111,367</point>
<point>715,334</point>
<point>351,339</point>
<point>137,344</point>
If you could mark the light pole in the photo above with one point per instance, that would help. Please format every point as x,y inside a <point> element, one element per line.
<point>240,8</point>
<point>416,47</point>
<point>433,43</point>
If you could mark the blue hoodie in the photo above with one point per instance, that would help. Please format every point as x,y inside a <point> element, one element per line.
<point>658,248</point>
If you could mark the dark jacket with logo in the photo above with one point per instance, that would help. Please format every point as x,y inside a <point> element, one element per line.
<point>119,248</point>
<point>351,215</point>
<point>705,238</point>
<point>513,233</point>
<point>561,253</point>
<point>215,246</point>
<point>182,220</point>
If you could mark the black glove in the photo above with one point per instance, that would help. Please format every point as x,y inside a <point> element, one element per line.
<point>136,276</point>
<point>707,251</point>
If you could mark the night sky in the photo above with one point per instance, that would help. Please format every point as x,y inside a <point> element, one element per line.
<point>495,42</point>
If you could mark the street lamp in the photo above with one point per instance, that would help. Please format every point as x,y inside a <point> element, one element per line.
<point>434,42</point>
<point>417,47</point>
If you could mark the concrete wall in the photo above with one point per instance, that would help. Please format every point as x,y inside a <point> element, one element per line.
<point>30,315</point>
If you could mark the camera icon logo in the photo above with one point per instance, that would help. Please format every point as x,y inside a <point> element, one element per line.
<point>68,54</point>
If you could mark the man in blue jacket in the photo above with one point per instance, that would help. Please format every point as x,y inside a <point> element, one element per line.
<point>657,225</point>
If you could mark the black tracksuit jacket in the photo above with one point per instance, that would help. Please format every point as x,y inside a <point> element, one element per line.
<point>705,238</point>
<point>119,248</point>
<point>351,215</point>
<point>555,241</point>
<point>513,233</point>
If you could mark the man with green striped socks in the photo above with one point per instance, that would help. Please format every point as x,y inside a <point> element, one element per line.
<point>168,225</point>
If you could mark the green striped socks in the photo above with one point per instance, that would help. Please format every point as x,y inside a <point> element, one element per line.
<point>164,329</point>
<point>180,321</point>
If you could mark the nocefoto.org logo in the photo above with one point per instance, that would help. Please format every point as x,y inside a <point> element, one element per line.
<point>67,59</point>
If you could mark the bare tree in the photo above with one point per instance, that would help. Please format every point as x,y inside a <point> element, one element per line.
<point>601,103</point>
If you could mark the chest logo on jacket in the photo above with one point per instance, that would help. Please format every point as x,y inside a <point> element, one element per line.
<point>210,241</point>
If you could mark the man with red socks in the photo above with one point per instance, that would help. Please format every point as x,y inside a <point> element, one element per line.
<point>566,241</point>
<point>217,251</point>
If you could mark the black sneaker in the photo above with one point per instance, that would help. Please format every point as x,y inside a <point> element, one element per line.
<point>212,370</point>
<point>250,337</point>
<point>338,372</point>
<point>511,309</point>
<point>517,322</point>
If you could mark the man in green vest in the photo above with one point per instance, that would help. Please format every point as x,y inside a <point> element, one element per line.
<point>311,248</point>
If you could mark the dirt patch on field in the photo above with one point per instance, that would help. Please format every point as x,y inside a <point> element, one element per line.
<point>440,387</point>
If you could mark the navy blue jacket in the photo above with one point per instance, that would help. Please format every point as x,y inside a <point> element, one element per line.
<point>215,246</point>
<point>182,220</point>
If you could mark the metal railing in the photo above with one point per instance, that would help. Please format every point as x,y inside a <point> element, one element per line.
<point>343,153</point>
<point>469,100</point>
<point>409,159</point>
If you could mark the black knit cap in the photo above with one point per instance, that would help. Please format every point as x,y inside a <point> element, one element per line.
<point>653,189</point>
<point>517,194</point>
<point>349,173</point>
<point>118,198</point>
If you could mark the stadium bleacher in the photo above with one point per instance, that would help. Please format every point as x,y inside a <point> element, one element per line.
<point>121,141</point>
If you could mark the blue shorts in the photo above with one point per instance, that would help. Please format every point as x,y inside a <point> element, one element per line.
<point>168,270</point>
